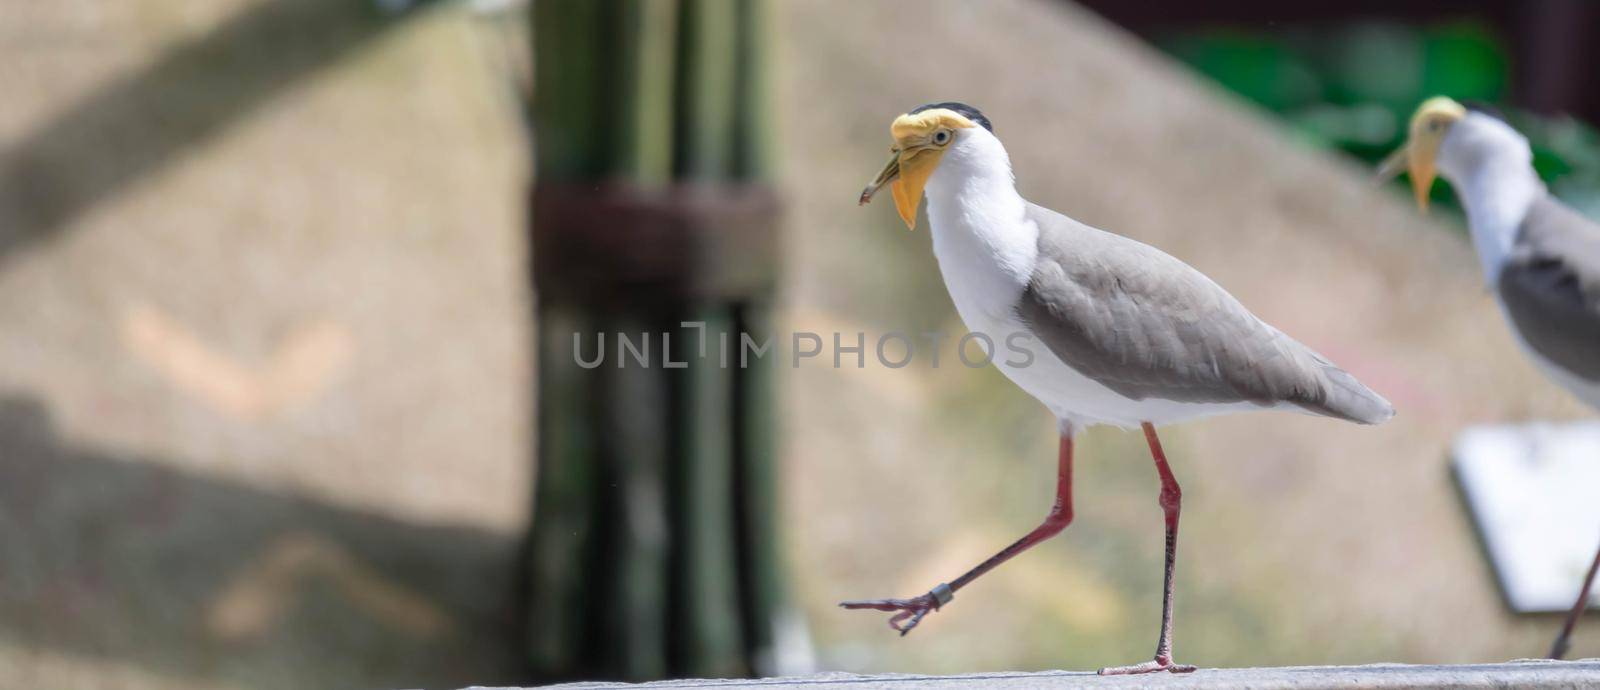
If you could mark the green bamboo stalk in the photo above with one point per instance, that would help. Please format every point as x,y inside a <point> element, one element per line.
<point>634,629</point>
<point>633,641</point>
<point>708,75</point>
<point>759,506</point>
<point>563,536</point>
<point>754,122</point>
<point>763,597</point>
<point>567,101</point>
<point>564,510</point>
<point>646,39</point>
<point>710,621</point>
<point>654,542</point>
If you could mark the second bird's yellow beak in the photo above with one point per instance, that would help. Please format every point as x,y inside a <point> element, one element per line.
<point>1419,159</point>
<point>1419,155</point>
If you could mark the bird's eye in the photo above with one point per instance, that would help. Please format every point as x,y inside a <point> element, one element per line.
<point>941,137</point>
<point>1435,125</point>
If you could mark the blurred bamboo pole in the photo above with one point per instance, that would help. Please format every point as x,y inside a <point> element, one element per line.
<point>708,72</point>
<point>568,151</point>
<point>635,623</point>
<point>637,582</point>
<point>647,43</point>
<point>565,510</point>
<point>653,550</point>
<point>753,114</point>
<point>709,581</point>
<point>568,68</point>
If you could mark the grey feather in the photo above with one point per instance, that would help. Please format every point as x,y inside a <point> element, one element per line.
<point>1147,325</point>
<point>1550,286</point>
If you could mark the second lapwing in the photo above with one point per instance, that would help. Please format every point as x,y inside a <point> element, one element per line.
<point>1540,258</point>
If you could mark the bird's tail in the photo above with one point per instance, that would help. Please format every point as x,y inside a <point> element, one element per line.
<point>1348,399</point>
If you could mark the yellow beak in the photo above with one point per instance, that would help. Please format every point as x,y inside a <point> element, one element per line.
<point>906,173</point>
<point>1419,155</point>
<point>920,139</point>
<point>1417,158</point>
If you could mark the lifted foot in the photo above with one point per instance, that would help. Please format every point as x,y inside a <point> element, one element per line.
<point>910,611</point>
<point>1158,664</point>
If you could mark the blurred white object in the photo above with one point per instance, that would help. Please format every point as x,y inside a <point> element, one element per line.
<point>1531,489</point>
<point>493,7</point>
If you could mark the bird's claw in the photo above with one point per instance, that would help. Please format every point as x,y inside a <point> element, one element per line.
<point>1155,666</point>
<point>909,612</point>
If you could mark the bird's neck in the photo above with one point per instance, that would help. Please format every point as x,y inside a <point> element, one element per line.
<point>981,235</point>
<point>1491,168</point>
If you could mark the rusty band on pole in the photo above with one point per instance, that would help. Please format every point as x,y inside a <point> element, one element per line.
<point>595,244</point>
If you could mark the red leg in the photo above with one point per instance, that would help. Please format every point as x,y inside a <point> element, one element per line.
<point>911,611</point>
<point>1171,505</point>
<point>1559,649</point>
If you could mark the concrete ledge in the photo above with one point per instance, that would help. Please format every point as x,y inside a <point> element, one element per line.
<point>1515,674</point>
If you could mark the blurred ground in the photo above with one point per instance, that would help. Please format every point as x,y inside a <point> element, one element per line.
<point>263,363</point>
<point>1525,674</point>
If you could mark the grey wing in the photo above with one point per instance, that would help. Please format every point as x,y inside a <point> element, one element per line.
<point>1550,286</point>
<point>1146,325</point>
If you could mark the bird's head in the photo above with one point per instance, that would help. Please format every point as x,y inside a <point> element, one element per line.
<point>1419,155</point>
<point>921,139</point>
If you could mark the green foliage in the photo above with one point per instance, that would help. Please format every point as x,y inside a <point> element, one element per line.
<point>1263,69</point>
<point>1464,60</point>
<point>1353,87</point>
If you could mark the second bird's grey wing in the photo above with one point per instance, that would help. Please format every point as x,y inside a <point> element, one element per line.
<point>1147,325</point>
<point>1550,286</point>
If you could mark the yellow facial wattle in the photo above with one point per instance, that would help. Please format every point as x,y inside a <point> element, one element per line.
<point>920,140</point>
<point>1419,155</point>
